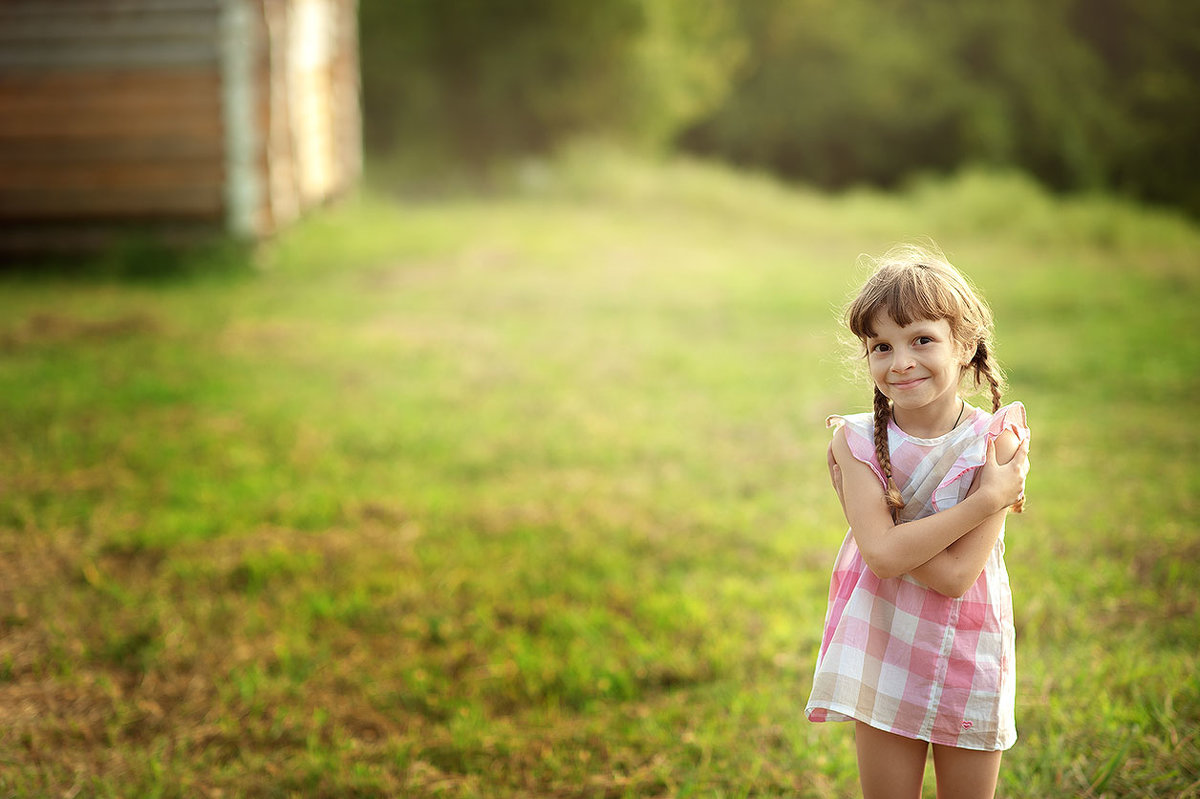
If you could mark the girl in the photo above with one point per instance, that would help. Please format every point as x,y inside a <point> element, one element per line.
<point>918,642</point>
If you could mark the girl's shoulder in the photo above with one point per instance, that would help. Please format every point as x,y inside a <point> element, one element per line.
<point>859,430</point>
<point>854,421</point>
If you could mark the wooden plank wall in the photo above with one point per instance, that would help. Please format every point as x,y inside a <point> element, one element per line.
<point>347,91</point>
<point>117,112</point>
<point>110,110</point>
<point>314,133</point>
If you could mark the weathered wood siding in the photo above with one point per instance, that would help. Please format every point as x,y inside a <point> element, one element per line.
<point>230,114</point>
<point>314,134</point>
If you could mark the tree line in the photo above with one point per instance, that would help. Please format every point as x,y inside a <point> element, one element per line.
<point>1083,94</point>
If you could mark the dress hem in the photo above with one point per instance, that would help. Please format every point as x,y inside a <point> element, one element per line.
<point>843,716</point>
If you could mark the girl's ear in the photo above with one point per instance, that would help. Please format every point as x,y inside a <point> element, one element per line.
<point>966,352</point>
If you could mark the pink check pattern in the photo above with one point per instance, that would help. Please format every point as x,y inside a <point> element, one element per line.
<point>902,657</point>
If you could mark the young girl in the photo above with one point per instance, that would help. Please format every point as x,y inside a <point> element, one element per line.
<point>918,642</point>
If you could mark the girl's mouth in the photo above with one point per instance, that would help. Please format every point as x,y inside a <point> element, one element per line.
<point>908,383</point>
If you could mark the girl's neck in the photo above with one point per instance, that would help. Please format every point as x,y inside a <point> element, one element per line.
<point>930,422</point>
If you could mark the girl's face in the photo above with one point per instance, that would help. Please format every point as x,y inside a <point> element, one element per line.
<point>917,366</point>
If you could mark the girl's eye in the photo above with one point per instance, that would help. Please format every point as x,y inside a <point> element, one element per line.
<point>880,347</point>
<point>924,340</point>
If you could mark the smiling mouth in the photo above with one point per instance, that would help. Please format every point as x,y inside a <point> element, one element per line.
<point>908,383</point>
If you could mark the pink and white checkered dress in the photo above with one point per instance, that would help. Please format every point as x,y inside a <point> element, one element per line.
<point>902,657</point>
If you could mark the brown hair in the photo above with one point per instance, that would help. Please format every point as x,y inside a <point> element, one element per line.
<point>912,282</point>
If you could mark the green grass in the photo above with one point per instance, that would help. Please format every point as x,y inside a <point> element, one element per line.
<point>525,494</point>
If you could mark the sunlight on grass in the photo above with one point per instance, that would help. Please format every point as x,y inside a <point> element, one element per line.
<point>525,494</point>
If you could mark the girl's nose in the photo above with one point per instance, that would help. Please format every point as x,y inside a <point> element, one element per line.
<point>901,360</point>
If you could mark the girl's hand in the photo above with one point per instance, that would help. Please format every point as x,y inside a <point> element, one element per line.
<point>1005,482</point>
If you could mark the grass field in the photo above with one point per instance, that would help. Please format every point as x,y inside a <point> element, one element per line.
<point>524,495</point>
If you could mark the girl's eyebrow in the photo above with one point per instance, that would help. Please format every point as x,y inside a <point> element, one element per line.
<point>912,330</point>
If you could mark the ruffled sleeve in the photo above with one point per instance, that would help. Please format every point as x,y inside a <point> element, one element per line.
<point>860,435</point>
<point>989,427</point>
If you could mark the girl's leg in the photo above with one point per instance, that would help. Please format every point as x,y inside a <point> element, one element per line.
<point>889,766</point>
<point>966,773</point>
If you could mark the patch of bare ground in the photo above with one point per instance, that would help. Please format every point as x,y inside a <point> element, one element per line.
<point>49,328</point>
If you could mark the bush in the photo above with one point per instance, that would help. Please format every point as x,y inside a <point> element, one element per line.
<point>473,81</point>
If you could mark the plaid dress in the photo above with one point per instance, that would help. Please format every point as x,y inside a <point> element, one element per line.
<point>902,657</point>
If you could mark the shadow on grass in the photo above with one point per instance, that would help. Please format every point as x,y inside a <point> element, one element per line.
<point>138,259</point>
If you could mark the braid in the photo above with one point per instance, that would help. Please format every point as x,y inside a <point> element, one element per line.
<point>883,412</point>
<point>986,369</point>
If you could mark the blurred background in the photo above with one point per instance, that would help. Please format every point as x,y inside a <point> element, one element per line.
<point>1084,95</point>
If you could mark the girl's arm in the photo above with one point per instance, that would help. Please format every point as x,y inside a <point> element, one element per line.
<point>890,549</point>
<point>956,568</point>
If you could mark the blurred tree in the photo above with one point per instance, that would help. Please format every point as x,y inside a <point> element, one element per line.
<point>1081,93</point>
<point>682,67</point>
<point>1031,92</point>
<point>474,80</point>
<point>1150,52</point>
<point>847,92</point>
<point>834,92</point>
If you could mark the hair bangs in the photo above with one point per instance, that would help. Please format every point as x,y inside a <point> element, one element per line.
<point>906,294</point>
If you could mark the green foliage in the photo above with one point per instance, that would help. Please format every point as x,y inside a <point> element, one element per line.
<point>526,496</point>
<point>475,81</point>
<point>1151,54</point>
<point>1081,94</point>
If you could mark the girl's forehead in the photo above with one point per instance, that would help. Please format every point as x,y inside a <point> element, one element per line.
<point>882,323</point>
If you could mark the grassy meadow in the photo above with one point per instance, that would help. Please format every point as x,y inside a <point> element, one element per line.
<point>524,494</point>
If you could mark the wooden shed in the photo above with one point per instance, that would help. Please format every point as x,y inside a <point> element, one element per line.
<point>182,115</point>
